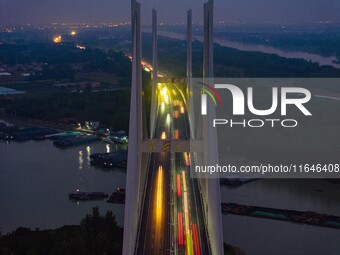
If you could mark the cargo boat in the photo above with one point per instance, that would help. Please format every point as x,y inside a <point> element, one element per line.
<point>117,197</point>
<point>87,195</point>
<point>303,217</point>
<point>74,141</point>
<point>116,138</point>
<point>107,160</point>
<point>234,182</point>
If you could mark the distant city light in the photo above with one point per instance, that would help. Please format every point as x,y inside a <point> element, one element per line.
<point>57,39</point>
<point>73,33</point>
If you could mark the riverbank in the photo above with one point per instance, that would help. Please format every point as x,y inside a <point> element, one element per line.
<point>291,54</point>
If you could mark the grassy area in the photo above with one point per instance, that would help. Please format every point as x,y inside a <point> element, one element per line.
<point>99,77</point>
<point>36,87</point>
<point>110,108</point>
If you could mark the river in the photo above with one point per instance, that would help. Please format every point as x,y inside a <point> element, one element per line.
<point>35,178</point>
<point>322,60</point>
<point>269,237</point>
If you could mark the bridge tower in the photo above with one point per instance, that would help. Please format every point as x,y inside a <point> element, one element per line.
<point>134,166</point>
<point>211,186</point>
<point>136,171</point>
<point>154,74</point>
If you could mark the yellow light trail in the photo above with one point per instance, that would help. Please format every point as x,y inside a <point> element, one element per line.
<point>159,194</point>
<point>186,212</point>
<point>164,91</point>
<point>164,95</point>
<point>168,119</point>
<point>166,98</point>
<point>182,109</point>
<point>189,244</point>
<point>184,181</point>
<point>162,107</point>
<point>187,158</point>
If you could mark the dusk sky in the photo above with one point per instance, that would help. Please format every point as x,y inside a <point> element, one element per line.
<point>249,11</point>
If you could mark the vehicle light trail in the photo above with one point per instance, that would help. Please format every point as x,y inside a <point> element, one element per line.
<point>184,182</point>
<point>179,192</point>
<point>168,119</point>
<point>186,212</point>
<point>180,229</point>
<point>159,194</point>
<point>187,158</point>
<point>182,110</point>
<point>169,190</point>
<point>188,234</point>
<point>189,244</point>
<point>176,134</point>
<point>165,95</point>
<point>196,243</point>
<point>162,107</point>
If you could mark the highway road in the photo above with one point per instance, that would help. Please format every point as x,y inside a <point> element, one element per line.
<point>172,220</point>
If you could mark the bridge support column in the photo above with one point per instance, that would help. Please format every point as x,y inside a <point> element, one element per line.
<point>211,186</point>
<point>154,74</point>
<point>134,171</point>
<point>189,74</point>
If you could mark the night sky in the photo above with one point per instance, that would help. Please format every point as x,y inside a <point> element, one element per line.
<point>249,11</point>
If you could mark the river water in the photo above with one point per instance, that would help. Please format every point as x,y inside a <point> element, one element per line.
<point>322,60</point>
<point>269,237</point>
<point>35,178</point>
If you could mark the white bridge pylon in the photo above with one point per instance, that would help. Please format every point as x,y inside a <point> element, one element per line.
<point>141,144</point>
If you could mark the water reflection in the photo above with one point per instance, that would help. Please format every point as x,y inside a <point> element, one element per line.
<point>88,151</point>
<point>108,148</point>
<point>55,173</point>
<point>81,160</point>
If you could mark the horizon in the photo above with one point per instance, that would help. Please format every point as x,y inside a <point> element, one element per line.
<point>15,12</point>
